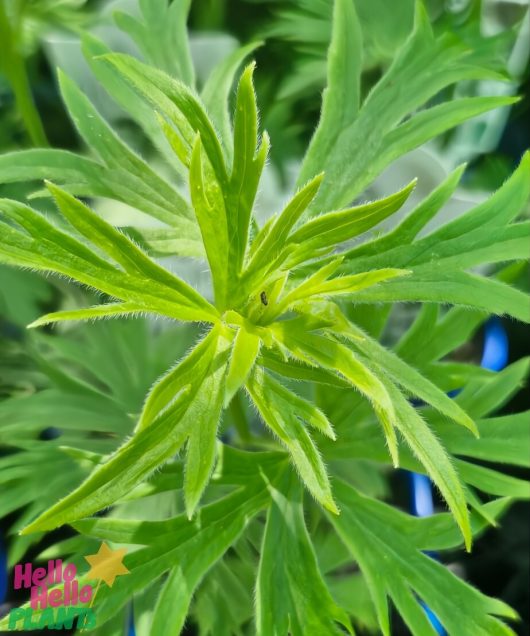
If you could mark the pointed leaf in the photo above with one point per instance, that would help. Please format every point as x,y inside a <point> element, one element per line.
<point>425,64</point>
<point>189,372</point>
<point>294,598</point>
<point>278,414</point>
<point>410,379</point>
<point>205,412</point>
<point>139,457</point>
<point>242,359</point>
<point>120,247</point>
<point>335,227</point>
<point>341,98</point>
<point>176,102</point>
<point>434,457</point>
<point>271,244</point>
<point>210,210</point>
<point>338,358</point>
<point>91,313</point>
<point>246,168</point>
<point>216,91</point>
<point>394,566</point>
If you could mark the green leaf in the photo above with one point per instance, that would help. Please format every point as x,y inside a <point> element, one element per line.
<point>331,355</point>
<point>216,92</point>
<point>47,248</point>
<point>290,215</point>
<point>482,235</point>
<point>177,103</point>
<point>434,457</point>
<point>314,287</point>
<point>437,531</point>
<point>69,411</point>
<point>242,359</point>
<point>131,464</point>
<point>297,370</point>
<point>387,362</point>
<point>458,288</point>
<point>336,227</point>
<point>205,413</point>
<point>162,36</point>
<point>189,547</point>
<point>128,99</point>
<point>223,603</point>
<point>83,177</point>
<point>54,242</point>
<point>270,241</point>
<point>497,211</point>
<point>115,310</point>
<point>143,453</point>
<point>118,246</point>
<point>60,165</point>
<point>305,410</point>
<point>431,336</point>
<point>502,439</point>
<point>166,241</point>
<point>209,207</point>
<point>115,154</point>
<point>416,220</point>
<point>248,164</point>
<point>507,203</point>
<point>341,97</point>
<point>180,380</point>
<point>483,397</point>
<point>508,244</point>
<point>493,482</point>
<point>425,65</point>
<point>409,378</point>
<point>436,120</point>
<point>395,567</point>
<point>275,407</point>
<point>294,598</point>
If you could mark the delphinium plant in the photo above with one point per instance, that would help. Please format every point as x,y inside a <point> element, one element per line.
<point>299,30</point>
<point>272,436</point>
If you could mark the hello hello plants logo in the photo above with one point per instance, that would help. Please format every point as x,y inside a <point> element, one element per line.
<point>59,598</point>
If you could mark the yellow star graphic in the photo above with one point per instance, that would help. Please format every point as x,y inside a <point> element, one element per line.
<point>107,564</point>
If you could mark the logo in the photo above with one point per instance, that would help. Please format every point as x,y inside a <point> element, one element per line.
<point>59,598</point>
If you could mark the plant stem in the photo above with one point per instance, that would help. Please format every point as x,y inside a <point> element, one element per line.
<point>240,420</point>
<point>14,68</point>
<point>26,106</point>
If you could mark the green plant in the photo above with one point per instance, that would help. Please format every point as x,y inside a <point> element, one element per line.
<point>301,30</point>
<point>294,323</point>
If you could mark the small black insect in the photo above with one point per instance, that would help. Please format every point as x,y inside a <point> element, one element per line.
<point>263,297</point>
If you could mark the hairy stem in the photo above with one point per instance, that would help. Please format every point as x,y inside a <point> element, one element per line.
<point>240,419</point>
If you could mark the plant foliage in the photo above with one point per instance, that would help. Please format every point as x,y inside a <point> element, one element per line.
<point>291,300</point>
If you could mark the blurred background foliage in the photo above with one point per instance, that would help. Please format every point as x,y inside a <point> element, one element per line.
<point>52,367</point>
